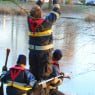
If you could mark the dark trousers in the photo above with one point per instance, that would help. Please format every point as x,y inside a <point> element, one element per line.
<point>38,60</point>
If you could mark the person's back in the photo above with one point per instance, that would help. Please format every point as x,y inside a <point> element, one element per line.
<point>18,79</point>
<point>40,38</point>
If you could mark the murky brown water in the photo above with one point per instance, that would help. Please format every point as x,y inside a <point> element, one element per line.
<point>74,37</point>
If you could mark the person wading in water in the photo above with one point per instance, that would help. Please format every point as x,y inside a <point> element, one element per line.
<point>40,38</point>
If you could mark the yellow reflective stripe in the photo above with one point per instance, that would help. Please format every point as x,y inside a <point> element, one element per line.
<point>57,14</point>
<point>37,34</point>
<point>26,88</point>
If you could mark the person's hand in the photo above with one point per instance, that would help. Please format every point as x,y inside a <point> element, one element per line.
<point>62,73</point>
<point>4,68</point>
<point>56,82</point>
<point>44,85</point>
<point>40,2</point>
<point>66,75</point>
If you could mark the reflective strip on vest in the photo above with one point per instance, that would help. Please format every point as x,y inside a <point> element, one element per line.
<point>45,47</point>
<point>38,34</point>
<point>57,14</point>
<point>20,86</point>
<point>24,94</point>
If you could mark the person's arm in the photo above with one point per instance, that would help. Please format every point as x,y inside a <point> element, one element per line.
<point>55,13</point>
<point>30,78</point>
<point>56,6</point>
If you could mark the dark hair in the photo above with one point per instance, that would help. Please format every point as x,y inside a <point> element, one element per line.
<point>36,12</point>
<point>57,55</point>
<point>21,60</point>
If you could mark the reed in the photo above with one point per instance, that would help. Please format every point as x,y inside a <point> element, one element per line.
<point>90,18</point>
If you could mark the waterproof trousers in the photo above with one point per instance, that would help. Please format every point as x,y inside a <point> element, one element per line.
<point>38,60</point>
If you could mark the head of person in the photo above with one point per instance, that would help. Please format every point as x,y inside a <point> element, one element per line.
<point>21,60</point>
<point>57,55</point>
<point>36,12</point>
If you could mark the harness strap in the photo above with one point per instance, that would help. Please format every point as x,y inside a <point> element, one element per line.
<point>15,71</point>
<point>34,24</point>
<point>14,74</point>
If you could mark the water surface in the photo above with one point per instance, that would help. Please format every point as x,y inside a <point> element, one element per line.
<point>74,37</point>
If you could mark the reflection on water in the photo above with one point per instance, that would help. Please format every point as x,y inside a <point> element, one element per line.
<point>13,35</point>
<point>74,37</point>
<point>69,39</point>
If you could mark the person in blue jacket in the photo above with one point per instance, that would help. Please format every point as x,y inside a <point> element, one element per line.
<point>56,57</point>
<point>40,37</point>
<point>18,79</point>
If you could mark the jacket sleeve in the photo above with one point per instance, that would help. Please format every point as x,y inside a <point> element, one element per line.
<point>30,78</point>
<point>55,13</point>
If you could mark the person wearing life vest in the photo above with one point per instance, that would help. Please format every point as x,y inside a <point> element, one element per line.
<point>40,37</point>
<point>53,71</point>
<point>56,56</point>
<point>18,79</point>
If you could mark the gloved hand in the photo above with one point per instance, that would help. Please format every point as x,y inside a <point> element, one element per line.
<point>40,2</point>
<point>4,68</point>
<point>56,82</point>
<point>62,73</point>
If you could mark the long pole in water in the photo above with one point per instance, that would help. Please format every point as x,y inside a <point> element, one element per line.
<point>27,12</point>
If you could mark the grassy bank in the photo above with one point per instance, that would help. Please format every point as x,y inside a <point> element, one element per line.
<point>20,9</point>
<point>10,8</point>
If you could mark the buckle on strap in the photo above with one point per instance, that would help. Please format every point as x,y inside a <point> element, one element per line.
<point>45,47</point>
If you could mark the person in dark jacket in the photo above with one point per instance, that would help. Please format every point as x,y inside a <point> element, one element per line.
<point>52,72</point>
<point>18,79</point>
<point>40,38</point>
<point>56,57</point>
